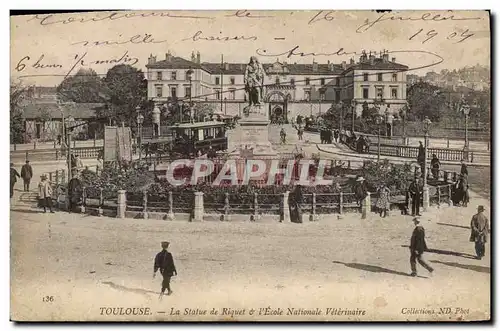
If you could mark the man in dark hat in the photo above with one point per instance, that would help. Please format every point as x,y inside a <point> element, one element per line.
<point>27,174</point>
<point>165,263</point>
<point>417,248</point>
<point>416,190</point>
<point>479,231</point>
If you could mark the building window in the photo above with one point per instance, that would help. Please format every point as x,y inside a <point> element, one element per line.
<point>217,80</point>
<point>394,77</point>
<point>307,95</point>
<point>337,81</point>
<point>380,93</point>
<point>174,75</point>
<point>173,92</point>
<point>188,76</point>
<point>365,77</point>
<point>292,81</point>
<point>308,81</point>
<point>231,80</point>
<point>366,94</point>
<point>159,91</point>
<point>187,90</point>
<point>217,94</point>
<point>394,92</point>
<point>277,80</point>
<point>322,95</point>
<point>379,77</point>
<point>232,94</point>
<point>158,75</point>
<point>322,81</point>
<point>337,95</point>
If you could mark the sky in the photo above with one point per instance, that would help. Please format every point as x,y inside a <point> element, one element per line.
<point>46,48</point>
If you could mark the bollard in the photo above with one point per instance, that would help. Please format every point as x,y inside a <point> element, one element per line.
<point>366,206</point>
<point>255,207</point>
<point>145,205</point>
<point>449,195</point>
<point>101,203</point>
<point>426,200</point>
<point>341,203</point>
<point>438,188</point>
<point>83,208</point>
<point>122,204</point>
<point>170,215</point>
<point>286,209</point>
<point>312,216</point>
<point>198,207</point>
<point>226,207</point>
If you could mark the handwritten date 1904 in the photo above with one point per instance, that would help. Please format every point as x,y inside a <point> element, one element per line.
<point>426,36</point>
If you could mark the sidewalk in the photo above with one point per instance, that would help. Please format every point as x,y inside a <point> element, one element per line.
<point>49,145</point>
<point>342,152</point>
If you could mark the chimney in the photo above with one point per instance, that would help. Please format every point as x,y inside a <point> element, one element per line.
<point>193,58</point>
<point>385,57</point>
<point>198,58</point>
<point>151,59</point>
<point>328,61</point>
<point>226,66</point>
<point>315,66</point>
<point>372,59</point>
<point>352,61</point>
<point>393,59</point>
<point>168,56</point>
<point>344,65</point>
<point>242,66</point>
<point>331,66</point>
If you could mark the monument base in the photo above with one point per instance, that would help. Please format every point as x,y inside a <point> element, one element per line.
<point>251,137</point>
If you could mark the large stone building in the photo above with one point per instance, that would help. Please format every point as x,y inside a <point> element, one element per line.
<point>290,88</point>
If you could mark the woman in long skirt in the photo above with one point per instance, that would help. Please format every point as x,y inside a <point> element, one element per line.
<point>383,203</point>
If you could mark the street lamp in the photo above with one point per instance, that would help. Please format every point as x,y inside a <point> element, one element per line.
<point>353,107</point>
<point>378,120</point>
<point>140,120</point>
<point>466,110</point>
<point>189,74</point>
<point>426,123</point>
<point>225,106</point>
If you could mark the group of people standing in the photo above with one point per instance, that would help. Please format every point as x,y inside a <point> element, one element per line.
<point>26,175</point>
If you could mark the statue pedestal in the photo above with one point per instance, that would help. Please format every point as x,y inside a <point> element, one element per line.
<point>251,136</point>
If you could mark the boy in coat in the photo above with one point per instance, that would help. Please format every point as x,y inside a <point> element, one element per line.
<point>417,248</point>
<point>165,263</point>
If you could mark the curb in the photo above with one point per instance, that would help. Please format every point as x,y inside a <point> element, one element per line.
<point>371,157</point>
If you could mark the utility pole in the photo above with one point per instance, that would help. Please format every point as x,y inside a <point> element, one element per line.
<point>221,81</point>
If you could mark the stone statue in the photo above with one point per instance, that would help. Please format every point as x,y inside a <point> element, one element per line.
<point>254,81</point>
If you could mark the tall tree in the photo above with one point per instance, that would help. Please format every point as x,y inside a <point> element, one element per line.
<point>19,97</point>
<point>425,100</point>
<point>84,86</point>
<point>125,88</point>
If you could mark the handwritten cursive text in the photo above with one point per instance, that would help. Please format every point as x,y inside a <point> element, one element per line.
<point>245,14</point>
<point>199,36</point>
<point>136,39</point>
<point>426,17</point>
<point>51,19</point>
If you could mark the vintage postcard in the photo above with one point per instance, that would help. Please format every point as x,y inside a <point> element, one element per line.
<point>247,165</point>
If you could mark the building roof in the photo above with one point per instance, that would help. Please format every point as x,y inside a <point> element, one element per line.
<point>77,110</point>
<point>378,64</point>
<point>175,62</point>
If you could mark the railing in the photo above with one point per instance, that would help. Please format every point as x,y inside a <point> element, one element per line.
<point>443,154</point>
<point>60,154</point>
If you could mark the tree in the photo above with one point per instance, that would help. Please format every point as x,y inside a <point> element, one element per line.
<point>425,100</point>
<point>19,97</point>
<point>125,88</point>
<point>84,86</point>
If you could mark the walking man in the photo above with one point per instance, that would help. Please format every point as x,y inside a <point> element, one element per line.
<point>417,248</point>
<point>13,178</point>
<point>479,231</point>
<point>165,263</point>
<point>45,193</point>
<point>27,174</point>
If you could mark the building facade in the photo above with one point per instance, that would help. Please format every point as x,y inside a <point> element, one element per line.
<point>290,88</point>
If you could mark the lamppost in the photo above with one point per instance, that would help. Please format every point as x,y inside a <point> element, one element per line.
<point>405,111</point>
<point>426,123</point>
<point>140,120</point>
<point>466,110</point>
<point>353,107</point>
<point>378,120</point>
<point>225,106</point>
<point>189,74</point>
<point>340,106</point>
